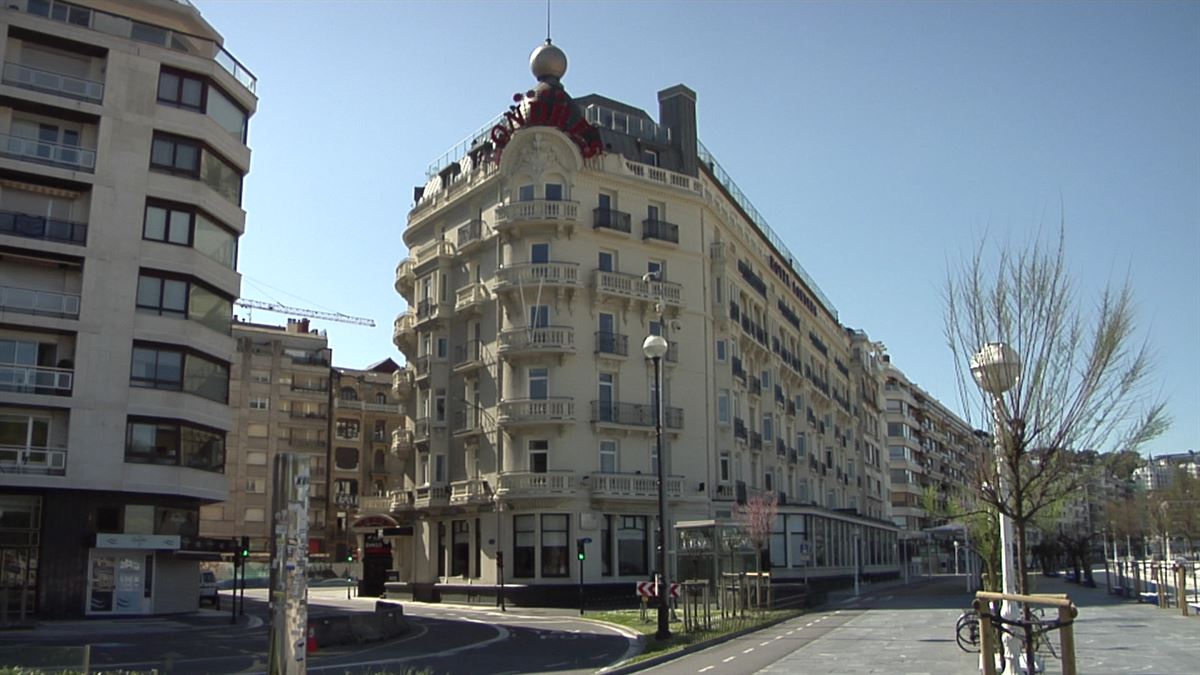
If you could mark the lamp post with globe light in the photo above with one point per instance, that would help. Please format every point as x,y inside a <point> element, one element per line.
<point>655,348</point>
<point>996,369</point>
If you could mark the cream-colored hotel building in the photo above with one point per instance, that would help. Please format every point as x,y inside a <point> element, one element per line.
<point>541,252</point>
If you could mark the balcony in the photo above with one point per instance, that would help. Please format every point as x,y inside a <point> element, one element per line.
<point>739,429</point>
<point>33,459</point>
<point>634,415</point>
<point>309,415</point>
<point>470,491</point>
<point>547,276</point>
<point>42,228</point>
<point>428,496</point>
<point>717,251</point>
<point>50,82</point>
<point>660,230</point>
<point>420,432</point>
<point>402,500</point>
<point>632,486</point>
<point>421,367</point>
<point>539,411</point>
<point>36,379</point>
<point>519,484</point>
<point>672,355</point>
<point>311,387</point>
<point>468,236</point>
<point>755,440</point>
<point>405,278</point>
<point>608,219</point>
<point>308,443</point>
<point>468,423</point>
<point>633,287</point>
<point>42,152</point>
<point>310,360</point>
<point>469,356</point>
<point>402,442</point>
<point>612,344</point>
<point>790,407</point>
<point>429,310</point>
<point>39,303</point>
<point>438,250</point>
<point>754,386</point>
<point>375,504</point>
<point>738,371</point>
<point>780,447</point>
<point>470,298</point>
<point>404,331</point>
<point>517,216</point>
<point>402,382</point>
<point>535,341</point>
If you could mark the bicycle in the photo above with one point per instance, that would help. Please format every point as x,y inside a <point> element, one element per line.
<point>967,634</point>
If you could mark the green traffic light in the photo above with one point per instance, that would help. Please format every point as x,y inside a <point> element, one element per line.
<point>582,557</point>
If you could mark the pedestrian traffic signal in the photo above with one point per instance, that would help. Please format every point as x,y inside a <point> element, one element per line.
<point>245,552</point>
<point>580,551</point>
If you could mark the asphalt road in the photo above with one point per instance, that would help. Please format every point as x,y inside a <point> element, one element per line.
<point>447,640</point>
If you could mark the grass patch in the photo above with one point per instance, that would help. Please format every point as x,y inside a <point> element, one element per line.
<point>631,618</point>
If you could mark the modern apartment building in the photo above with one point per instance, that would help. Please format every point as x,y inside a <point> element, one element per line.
<point>542,251</point>
<point>930,450</point>
<point>280,392</point>
<point>123,148</point>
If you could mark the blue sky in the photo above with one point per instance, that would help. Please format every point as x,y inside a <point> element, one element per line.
<point>881,140</point>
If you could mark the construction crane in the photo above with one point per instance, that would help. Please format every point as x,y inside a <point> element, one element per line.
<point>308,313</point>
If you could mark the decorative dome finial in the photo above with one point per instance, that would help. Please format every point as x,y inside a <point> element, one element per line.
<point>548,62</point>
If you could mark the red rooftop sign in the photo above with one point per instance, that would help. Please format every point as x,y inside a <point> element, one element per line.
<point>550,108</point>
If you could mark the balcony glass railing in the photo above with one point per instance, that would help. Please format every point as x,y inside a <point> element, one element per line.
<point>37,79</point>
<point>39,303</point>
<point>33,459</point>
<point>124,27</point>
<point>39,227</point>
<point>36,379</point>
<point>32,149</point>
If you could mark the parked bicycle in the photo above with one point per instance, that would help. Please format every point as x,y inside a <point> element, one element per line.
<point>968,627</point>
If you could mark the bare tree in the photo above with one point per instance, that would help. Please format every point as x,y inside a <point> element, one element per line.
<point>757,518</point>
<point>1083,375</point>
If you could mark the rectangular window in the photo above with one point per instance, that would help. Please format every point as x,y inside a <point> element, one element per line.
<point>162,296</point>
<point>524,546</point>
<point>255,515</point>
<point>768,427</point>
<point>259,403</point>
<point>183,298</point>
<point>460,547</point>
<point>539,316</point>
<point>721,352</point>
<point>539,455</point>
<point>631,546</point>
<point>180,89</point>
<point>256,486</point>
<point>186,226</point>
<point>554,192</point>
<point>657,269</point>
<point>347,429</point>
<point>525,194</point>
<point>167,368</point>
<point>442,348</point>
<point>606,261</point>
<point>539,253</point>
<point>175,155</point>
<point>554,545</point>
<point>539,383</point>
<point>152,441</point>
<point>723,406</point>
<point>608,456</point>
<point>723,468</point>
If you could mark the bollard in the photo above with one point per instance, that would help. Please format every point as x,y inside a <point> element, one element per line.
<point>1181,589</point>
<point>986,636</point>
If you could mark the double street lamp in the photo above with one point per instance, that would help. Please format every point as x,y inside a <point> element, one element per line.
<point>655,348</point>
<point>996,369</point>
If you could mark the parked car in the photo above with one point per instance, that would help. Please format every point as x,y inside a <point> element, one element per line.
<point>208,589</point>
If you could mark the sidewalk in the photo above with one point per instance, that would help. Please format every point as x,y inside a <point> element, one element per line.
<point>911,630</point>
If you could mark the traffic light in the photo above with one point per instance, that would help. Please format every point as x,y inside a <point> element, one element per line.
<point>580,552</point>
<point>245,552</point>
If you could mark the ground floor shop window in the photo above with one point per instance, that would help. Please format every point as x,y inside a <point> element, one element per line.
<point>120,582</point>
<point>554,545</point>
<point>460,548</point>
<point>631,546</point>
<point>606,546</point>
<point>524,545</point>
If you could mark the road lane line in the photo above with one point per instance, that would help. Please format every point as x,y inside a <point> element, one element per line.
<point>764,644</point>
<point>728,659</point>
<point>705,669</point>
<point>747,651</point>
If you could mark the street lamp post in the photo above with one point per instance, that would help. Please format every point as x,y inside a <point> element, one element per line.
<point>499,551</point>
<point>655,347</point>
<point>996,369</point>
<point>956,545</point>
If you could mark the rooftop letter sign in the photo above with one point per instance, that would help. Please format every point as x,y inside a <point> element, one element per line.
<point>550,107</point>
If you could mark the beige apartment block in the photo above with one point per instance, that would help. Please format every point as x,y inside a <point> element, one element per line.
<point>123,130</point>
<point>541,252</point>
<point>931,451</point>
<point>280,393</point>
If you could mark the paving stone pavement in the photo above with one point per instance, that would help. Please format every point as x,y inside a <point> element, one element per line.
<point>910,631</point>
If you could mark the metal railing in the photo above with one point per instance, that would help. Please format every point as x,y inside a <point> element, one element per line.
<point>33,459</point>
<point>39,303</point>
<point>71,156</point>
<point>469,234</point>
<point>634,414</point>
<point>661,230</point>
<point>36,379</point>
<point>612,343</point>
<point>611,219</point>
<point>38,79</point>
<point>39,227</point>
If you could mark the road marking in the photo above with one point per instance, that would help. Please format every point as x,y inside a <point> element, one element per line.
<point>555,665</point>
<point>777,637</point>
<point>728,659</point>
<point>747,651</point>
<point>764,644</point>
<point>705,669</point>
<point>809,624</point>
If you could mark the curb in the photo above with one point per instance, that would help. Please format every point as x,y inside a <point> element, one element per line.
<point>690,649</point>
